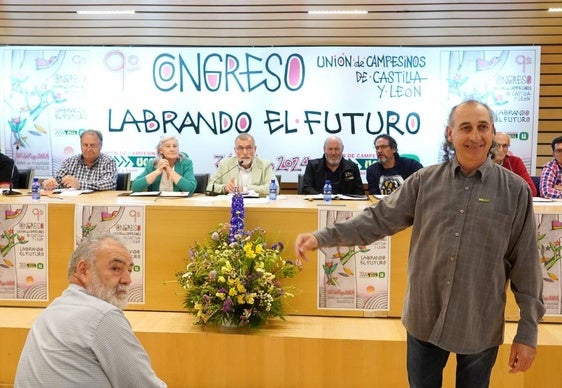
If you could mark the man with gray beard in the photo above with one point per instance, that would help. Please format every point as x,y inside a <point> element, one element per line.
<point>83,338</point>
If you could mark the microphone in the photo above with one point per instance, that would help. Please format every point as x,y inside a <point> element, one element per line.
<point>212,192</point>
<point>11,191</point>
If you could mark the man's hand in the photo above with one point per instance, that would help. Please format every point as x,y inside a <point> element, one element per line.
<point>69,182</point>
<point>521,357</point>
<point>305,242</point>
<point>50,184</point>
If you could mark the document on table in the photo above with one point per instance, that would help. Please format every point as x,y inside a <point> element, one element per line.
<point>71,192</point>
<point>160,194</point>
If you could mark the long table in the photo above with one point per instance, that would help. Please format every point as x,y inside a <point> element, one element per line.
<point>174,225</point>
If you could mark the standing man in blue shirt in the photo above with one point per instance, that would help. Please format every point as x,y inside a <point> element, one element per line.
<point>473,234</point>
<point>391,169</point>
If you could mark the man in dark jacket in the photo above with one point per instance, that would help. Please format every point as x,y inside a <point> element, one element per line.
<point>343,174</point>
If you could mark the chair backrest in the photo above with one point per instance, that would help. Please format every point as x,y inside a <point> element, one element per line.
<point>202,181</point>
<point>123,181</point>
<point>278,180</point>
<point>25,178</point>
<point>299,184</point>
<point>537,180</point>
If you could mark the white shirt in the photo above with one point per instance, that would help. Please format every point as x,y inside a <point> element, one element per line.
<point>82,341</point>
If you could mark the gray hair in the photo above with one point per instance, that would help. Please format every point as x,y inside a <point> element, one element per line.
<point>88,250</point>
<point>93,132</point>
<point>163,140</point>
<point>334,138</point>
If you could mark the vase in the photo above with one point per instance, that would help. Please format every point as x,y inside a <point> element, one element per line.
<point>228,326</point>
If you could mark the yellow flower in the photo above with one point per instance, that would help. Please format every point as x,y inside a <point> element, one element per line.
<point>220,295</point>
<point>232,291</point>
<point>249,251</point>
<point>240,287</point>
<point>259,249</point>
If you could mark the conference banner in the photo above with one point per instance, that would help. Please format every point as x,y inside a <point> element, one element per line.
<point>289,98</point>
<point>353,277</point>
<point>125,222</point>
<point>549,239</point>
<point>24,261</point>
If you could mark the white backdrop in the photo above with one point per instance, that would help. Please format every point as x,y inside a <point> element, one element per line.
<point>289,98</point>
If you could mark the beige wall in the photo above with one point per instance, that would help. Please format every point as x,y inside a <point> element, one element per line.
<point>273,23</point>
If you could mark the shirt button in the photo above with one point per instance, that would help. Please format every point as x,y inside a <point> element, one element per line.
<point>467,188</point>
<point>457,234</point>
<point>452,258</point>
<point>461,211</point>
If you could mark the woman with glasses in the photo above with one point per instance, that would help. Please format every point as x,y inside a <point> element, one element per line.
<point>244,171</point>
<point>170,170</point>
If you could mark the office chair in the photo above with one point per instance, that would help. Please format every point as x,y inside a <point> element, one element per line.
<point>123,181</point>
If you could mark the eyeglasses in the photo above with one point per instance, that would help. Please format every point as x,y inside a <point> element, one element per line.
<point>247,148</point>
<point>382,147</point>
<point>91,146</point>
<point>503,145</point>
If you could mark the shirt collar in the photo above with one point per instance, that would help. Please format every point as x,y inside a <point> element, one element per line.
<point>483,170</point>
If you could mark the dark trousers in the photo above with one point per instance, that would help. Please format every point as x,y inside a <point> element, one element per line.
<point>426,362</point>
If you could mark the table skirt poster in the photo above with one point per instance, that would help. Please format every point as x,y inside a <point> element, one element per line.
<point>355,277</point>
<point>23,251</point>
<point>549,237</point>
<point>123,222</point>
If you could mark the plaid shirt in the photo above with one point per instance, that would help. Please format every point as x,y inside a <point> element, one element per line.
<point>101,176</point>
<point>551,175</point>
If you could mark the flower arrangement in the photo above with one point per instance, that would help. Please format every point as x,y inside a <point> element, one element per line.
<point>235,277</point>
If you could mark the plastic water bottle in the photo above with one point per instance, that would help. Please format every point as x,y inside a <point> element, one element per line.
<point>35,190</point>
<point>273,190</point>
<point>327,191</point>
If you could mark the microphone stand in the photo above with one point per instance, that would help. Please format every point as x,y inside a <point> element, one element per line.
<point>11,190</point>
<point>212,192</point>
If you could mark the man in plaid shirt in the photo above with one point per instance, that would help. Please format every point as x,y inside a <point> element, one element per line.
<point>91,170</point>
<point>551,176</point>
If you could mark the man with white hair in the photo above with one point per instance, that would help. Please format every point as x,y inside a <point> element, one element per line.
<point>343,174</point>
<point>83,338</point>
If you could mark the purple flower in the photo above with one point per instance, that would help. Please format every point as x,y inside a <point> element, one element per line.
<point>227,306</point>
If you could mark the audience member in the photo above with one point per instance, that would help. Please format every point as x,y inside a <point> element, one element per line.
<point>343,174</point>
<point>8,172</point>
<point>473,233</point>
<point>510,161</point>
<point>83,339</point>
<point>391,169</point>
<point>244,172</point>
<point>91,170</point>
<point>170,170</point>
<point>551,176</point>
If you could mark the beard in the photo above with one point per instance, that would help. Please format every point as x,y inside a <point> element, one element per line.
<point>110,295</point>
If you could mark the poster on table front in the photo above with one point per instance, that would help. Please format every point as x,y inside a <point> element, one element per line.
<point>353,277</point>
<point>289,98</point>
<point>125,222</point>
<point>549,243</point>
<point>23,249</point>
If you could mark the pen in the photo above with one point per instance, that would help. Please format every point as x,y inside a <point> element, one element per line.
<point>330,204</point>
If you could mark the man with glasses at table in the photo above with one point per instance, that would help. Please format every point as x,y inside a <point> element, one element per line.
<point>244,172</point>
<point>513,163</point>
<point>391,169</point>
<point>551,176</point>
<point>90,170</point>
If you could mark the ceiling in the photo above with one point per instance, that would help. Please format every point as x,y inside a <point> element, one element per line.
<point>277,22</point>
